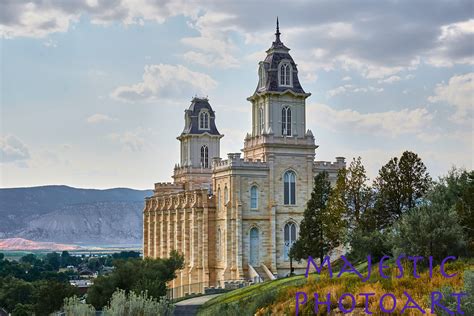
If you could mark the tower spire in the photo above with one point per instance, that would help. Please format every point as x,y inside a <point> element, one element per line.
<point>277,34</point>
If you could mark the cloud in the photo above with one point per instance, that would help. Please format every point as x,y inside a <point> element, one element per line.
<point>99,118</point>
<point>459,93</point>
<point>392,123</point>
<point>13,149</point>
<point>349,88</point>
<point>164,82</point>
<point>133,141</point>
<point>390,79</point>
<point>328,34</point>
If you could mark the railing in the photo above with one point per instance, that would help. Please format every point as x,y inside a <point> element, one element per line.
<point>204,288</point>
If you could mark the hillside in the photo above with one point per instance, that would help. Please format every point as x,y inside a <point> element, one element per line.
<point>24,244</point>
<point>69,215</point>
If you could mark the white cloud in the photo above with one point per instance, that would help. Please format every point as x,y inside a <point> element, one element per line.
<point>459,93</point>
<point>133,141</point>
<point>164,82</point>
<point>99,118</point>
<point>392,123</point>
<point>390,79</point>
<point>347,78</point>
<point>13,149</point>
<point>349,88</point>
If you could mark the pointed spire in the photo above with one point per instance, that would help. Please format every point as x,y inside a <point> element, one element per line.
<point>277,40</point>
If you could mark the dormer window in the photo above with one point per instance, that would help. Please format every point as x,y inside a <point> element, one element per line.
<point>261,77</point>
<point>204,120</point>
<point>285,74</point>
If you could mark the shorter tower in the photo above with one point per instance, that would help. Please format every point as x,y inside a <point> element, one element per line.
<point>199,144</point>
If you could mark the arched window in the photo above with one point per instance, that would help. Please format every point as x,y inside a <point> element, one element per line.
<point>254,197</point>
<point>204,157</point>
<point>261,120</point>
<point>285,75</point>
<point>204,120</point>
<point>218,244</point>
<point>226,195</point>
<point>289,188</point>
<point>286,121</point>
<point>290,238</point>
<point>218,198</point>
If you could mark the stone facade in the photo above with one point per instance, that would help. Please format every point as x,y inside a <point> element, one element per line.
<point>235,219</point>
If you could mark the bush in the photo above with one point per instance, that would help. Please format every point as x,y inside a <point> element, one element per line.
<point>122,304</point>
<point>73,307</point>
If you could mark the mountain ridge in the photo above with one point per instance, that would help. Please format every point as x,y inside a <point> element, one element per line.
<point>60,213</point>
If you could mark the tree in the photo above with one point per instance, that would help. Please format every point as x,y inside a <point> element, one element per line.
<point>456,190</point>
<point>358,194</point>
<point>428,230</point>
<point>318,233</point>
<point>147,275</point>
<point>399,186</point>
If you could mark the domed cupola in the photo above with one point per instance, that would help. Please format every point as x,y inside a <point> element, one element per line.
<point>278,72</point>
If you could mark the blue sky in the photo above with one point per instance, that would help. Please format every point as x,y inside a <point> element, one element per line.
<point>93,92</point>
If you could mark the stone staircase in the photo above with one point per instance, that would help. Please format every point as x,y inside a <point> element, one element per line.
<point>261,273</point>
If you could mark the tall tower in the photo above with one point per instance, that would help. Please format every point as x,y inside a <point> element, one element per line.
<point>200,143</point>
<point>278,106</point>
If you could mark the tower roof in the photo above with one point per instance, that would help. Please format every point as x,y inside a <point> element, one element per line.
<point>192,118</point>
<point>277,54</point>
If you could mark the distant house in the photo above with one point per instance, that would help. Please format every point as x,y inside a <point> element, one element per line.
<point>81,285</point>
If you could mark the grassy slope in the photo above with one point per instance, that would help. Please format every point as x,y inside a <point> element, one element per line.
<point>252,297</point>
<point>278,297</point>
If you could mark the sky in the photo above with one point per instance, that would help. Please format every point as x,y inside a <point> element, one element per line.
<point>93,93</point>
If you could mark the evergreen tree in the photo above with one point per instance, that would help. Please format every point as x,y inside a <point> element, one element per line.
<point>358,194</point>
<point>428,230</point>
<point>319,230</point>
<point>399,186</point>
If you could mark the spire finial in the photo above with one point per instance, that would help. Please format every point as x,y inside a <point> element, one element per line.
<point>278,31</point>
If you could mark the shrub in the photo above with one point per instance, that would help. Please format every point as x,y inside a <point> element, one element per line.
<point>122,304</point>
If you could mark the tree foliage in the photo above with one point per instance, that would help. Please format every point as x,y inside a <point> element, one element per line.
<point>321,228</point>
<point>399,186</point>
<point>137,275</point>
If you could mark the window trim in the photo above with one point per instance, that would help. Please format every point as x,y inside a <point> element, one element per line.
<point>288,244</point>
<point>285,74</point>
<point>290,199</point>
<point>286,118</point>
<point>252,207</point>
<point>204,119</point>
<point>204,157</point>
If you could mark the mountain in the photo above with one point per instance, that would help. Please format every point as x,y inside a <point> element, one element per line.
<point>65,214</point>
<point>24,244</point>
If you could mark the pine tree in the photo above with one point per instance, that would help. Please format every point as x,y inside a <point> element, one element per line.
<point>399,186</point>
<point>320,230</point>
<point>359,196</point>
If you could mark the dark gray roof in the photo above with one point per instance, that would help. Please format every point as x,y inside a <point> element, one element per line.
<point>275,54</point>
<point>192,118</point>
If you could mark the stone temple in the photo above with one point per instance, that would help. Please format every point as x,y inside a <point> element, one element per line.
<point>236,218</point>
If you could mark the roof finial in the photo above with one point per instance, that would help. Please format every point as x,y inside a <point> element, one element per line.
<point>278,32</point>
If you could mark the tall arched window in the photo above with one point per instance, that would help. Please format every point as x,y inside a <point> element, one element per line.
<point>204,157</point>
<point>285,75</point>
<point>286,121</point>
<point>290,238</point>
<point>261,120</point>
<point>218,199</point>
<point>254,197</point>
<point>218,244</point>
<point>289,188</point>
<point>226,195</point>
<point>204,120</point>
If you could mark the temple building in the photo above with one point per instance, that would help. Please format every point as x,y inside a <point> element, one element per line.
<point>237,218</point>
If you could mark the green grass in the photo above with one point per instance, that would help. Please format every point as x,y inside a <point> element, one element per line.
<point>246,300</point>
